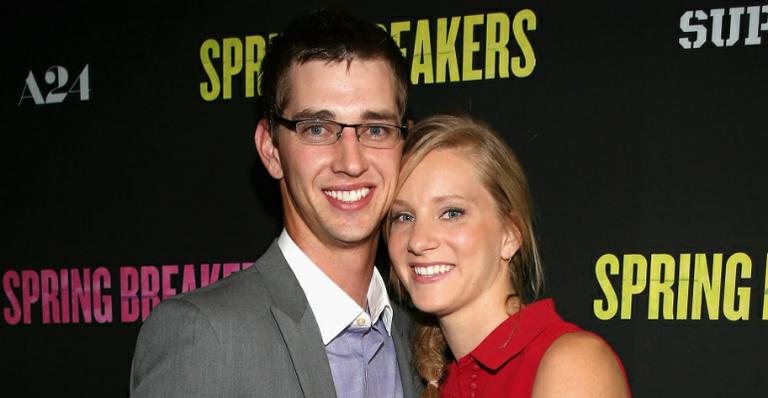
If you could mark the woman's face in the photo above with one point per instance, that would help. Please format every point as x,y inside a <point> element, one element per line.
<point>447,239</point>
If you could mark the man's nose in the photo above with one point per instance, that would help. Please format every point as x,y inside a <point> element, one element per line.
<point>350,154</point>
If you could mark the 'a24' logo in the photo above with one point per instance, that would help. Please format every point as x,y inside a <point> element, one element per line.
<point>56,78</point>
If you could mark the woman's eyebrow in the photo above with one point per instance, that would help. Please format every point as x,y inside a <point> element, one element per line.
<point>399,203</point>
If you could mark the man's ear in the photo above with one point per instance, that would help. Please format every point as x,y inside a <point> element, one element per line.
<point>267,150</point>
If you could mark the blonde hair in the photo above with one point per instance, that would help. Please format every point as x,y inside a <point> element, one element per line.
<point>502,175</point>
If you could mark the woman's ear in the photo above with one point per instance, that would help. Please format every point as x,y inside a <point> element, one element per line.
<point>267,149</point>
<point>511,239</point>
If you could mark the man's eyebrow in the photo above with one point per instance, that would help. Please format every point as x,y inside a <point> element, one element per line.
<point>329,115</point>
<point>314,114</point>
<point>381,115</point>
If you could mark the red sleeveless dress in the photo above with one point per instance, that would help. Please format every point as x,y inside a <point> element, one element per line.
<point>505,363</point>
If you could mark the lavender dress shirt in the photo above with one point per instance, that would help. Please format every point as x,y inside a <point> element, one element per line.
<point>363,362</point>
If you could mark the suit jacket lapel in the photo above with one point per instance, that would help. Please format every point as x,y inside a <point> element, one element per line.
<point>307,353</point>
<point>297,324</point>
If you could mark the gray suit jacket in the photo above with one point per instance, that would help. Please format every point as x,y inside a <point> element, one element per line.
<point>250,335</point>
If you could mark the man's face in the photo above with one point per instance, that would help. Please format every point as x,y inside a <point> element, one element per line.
<point>336,195</point>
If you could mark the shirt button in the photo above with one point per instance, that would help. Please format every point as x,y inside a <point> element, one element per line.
<point>361,321</point>
<point>475,367</point>
<point>472,394</point>
<point>473,385</point>
<point>473,376</point>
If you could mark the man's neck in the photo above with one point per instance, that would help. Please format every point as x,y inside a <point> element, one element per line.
<point>349,266</point>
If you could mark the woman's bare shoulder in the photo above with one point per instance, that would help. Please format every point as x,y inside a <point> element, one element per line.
<point>580,364</point>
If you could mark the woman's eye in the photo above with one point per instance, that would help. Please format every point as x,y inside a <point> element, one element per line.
<point>402,217</point>
<point>452,213</point>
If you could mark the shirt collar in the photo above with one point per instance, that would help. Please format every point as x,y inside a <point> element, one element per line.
<point>507,340</point>
<point>334,310</point>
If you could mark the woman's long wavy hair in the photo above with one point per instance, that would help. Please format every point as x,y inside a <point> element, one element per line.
<point>502,175</point>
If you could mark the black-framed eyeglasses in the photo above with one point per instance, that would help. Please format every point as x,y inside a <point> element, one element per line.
<point>327,132</point>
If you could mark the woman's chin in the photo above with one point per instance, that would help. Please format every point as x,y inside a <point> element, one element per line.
<point>430,306</point>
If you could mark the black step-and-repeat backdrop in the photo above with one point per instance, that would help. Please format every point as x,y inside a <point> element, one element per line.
<point>129,174</point>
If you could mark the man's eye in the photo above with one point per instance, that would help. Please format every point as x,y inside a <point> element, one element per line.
<point>377,132</point>
<point>314,130</point>
<point>452,213</point>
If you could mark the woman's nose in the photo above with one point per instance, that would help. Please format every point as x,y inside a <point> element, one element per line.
<point>423,238</point>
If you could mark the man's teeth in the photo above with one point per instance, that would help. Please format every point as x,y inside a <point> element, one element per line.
<point>433,270</point>
<point>349,196</point>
